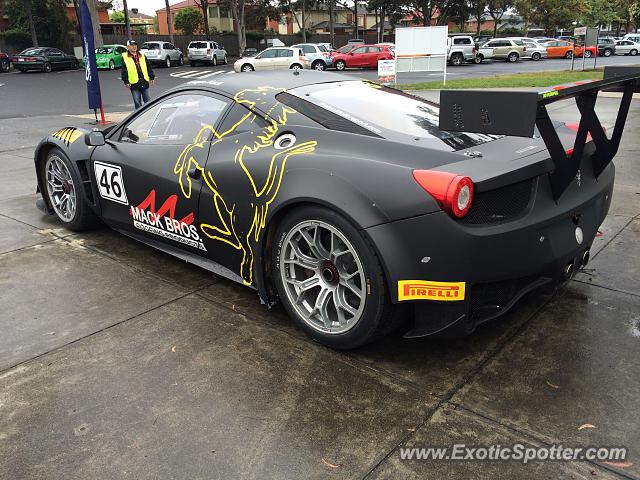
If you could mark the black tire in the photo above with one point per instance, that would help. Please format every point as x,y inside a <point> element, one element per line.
<point>4,65</point>
<point>457,59</point>
<point>46,68</point>
<point>181,61</point>
<point>247,67</point>
<point>22,70</point>
<point>513,57</point>
<point>296,66</point>
<point>535,56</point>
<point>84,218</point>
<point>215,60</point>
<point>379,316</point>
<point>633,52</point>
<point>341,65</point>
<point>607,52</point>
<point>112,65</point>
<point>76,65</point>
<point>224,59</point>
<point>319,65</point>
<point>568,55</point>
<point>167,62</point>
<point>478,60</point>
<point>193,63</point>
<point>587,54</point>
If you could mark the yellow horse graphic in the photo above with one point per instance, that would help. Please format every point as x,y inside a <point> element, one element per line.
<point>248,215</point>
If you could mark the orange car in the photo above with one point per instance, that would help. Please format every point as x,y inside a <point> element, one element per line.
<point>564,49</point>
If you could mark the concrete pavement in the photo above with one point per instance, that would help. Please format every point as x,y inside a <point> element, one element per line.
<point>119,361</point>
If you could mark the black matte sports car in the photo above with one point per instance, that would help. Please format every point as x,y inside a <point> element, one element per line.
<point>348,201</point>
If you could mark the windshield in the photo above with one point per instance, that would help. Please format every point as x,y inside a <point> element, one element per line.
<point>345,49</point>
<point>32,51</point>
<point>104,50</point>
<point>150,46</point>
<point>388,112</point>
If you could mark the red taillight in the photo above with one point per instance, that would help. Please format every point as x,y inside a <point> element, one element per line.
<point>453,192</point>
<point>209,50</point>
<point>524,49</point>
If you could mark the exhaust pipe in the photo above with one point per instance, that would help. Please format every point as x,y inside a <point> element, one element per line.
<point>585,257</point>
<point>568,271</point>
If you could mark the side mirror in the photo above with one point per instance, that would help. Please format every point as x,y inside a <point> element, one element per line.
<point>95,138</point>
<point>350,53</point>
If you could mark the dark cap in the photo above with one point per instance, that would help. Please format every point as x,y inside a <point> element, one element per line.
<point>131,42</point>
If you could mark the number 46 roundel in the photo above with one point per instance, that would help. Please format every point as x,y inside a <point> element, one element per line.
<point>110,182</point>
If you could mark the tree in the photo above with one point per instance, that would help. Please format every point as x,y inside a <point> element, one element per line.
<point>525,9</point>
<point>556,14</point>
<point>46,17</point>
<point>203,5</point>
<point>600,12</point>
<point>477,8</point>
<point>188,20</point>
<point>116,17</point>
<point>496,9</point>
<point>28,6</point>
<point>169,29</point>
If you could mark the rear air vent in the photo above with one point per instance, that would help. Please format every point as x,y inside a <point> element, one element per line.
<point>500,205</point>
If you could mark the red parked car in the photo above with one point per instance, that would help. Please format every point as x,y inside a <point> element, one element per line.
<point>5,62</point>
<point>361,56</point>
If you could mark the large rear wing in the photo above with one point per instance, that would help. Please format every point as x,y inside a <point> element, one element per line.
<point>518,113</point>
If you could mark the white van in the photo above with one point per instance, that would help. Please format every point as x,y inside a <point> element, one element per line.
<point>634,37</point>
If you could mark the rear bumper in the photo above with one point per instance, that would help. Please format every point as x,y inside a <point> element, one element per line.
<point>496,264</point>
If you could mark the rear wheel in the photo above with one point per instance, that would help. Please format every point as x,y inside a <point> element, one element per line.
<point>536,56</point>
<point>247,67</point>
<point>633,52</point>
<point>478,60</point>
<point>587,54</point>
<point>319,65</point>
<point>224,59</point>
<point>181,61</point>
<point>46,68</point>
<point>513,57</point>
<point>607,52</point>
<point>4,65</point>
<point>112,65</point>
<point>167,62</point>
<point>330,280</point>
<point>62,185</point>
<point>456,59</point>
<point>193,63</point>
<point>22,70</point>
<point>215,60</point>
<point>340,65</point>
<point>569,54</point>
<point>296,67</point>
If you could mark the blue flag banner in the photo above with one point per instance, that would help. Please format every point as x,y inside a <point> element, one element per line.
<point>91,67</point>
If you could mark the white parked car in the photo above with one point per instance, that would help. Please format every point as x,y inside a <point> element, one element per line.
<point>206,51</point>
<point>634,37</point>
<point>627,47</point>
<point>274,58</point>
<point>163,53</point>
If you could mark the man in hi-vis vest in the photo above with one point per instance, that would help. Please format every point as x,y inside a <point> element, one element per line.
<point>137,74</point>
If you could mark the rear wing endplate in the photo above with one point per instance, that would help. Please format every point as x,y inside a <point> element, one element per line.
<point>518,113</point>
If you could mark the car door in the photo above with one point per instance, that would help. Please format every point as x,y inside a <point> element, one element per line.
<point>487,50</point>
<point>56,58</point>
<point>357,57</point>
<point>265,60</point>
<point>147,176</point>
<point>285,58</point>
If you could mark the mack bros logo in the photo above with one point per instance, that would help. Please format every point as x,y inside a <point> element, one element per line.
<point>148,219</point>
<point>427,290</point>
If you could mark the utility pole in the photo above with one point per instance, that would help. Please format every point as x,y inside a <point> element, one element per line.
<point>170,29</point>
<point>126,19</point>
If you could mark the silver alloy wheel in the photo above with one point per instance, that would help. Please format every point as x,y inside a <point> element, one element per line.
<point>295,67</point>
<point>60,188</point>
<point>112,65</point>
<point>319,66</point>
<point>247,68</point>
<point>323,277</point>
<point>168,61</point>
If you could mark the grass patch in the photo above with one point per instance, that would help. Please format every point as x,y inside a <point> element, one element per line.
<point>534,79</point>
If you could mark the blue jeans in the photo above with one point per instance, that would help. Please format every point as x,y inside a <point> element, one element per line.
<point>140,95</point>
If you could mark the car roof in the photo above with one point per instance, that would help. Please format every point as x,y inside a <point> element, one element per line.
<point>273,82</point>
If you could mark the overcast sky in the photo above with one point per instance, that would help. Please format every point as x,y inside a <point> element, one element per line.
<point>146,6</point>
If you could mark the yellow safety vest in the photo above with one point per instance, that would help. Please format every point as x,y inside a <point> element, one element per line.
<point>132,71</point>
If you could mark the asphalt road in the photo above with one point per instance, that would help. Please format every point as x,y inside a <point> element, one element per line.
<point>35,93</point>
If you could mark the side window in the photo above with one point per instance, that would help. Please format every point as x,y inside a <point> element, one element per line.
<point>308,49</point>
<point>285,52</point>
<point>240,120</point>
<point>375,49</point>
<point>461,41</point>
<point>121,50</point>
<point>54,52</point>
<point>267,54</point>
<point>175,121</point>
<point>360,50</point>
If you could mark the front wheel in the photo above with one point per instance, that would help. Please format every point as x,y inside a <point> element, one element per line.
<point>607,52</point>
<point>247,68</point>
<point>46,68</point>
<point>63,191</point>
<point>4,65</point>
<point>513,57</point>
<point>215,60</point>
<point>478,59</point>
<point>587,54</point>
<point>296,67</point>
<point>181,61</point>
<point>330,280</point>
<point>340,65</point>
<point>536,56</point>
<point>319,65</point>
<point>112,65</point>
<point>568,55</point>
<point>224,59</point>
<point>457,59</point>
<point>633,53</point>
<point>167,62</point>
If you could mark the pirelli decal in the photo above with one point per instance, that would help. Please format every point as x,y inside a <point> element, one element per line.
<point>428,290</point>
<point>68,135</point>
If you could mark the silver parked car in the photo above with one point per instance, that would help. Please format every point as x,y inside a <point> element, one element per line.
<point>162,53</point>
<point>535,51</point>
<point>206,51</point>
<point>274,58</point>
<point>316,54</point>
<point>627,47</point>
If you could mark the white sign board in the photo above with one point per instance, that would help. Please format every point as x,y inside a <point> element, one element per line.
<point>386,71</point>
<point>580,31</point>
<point>421,49</point>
